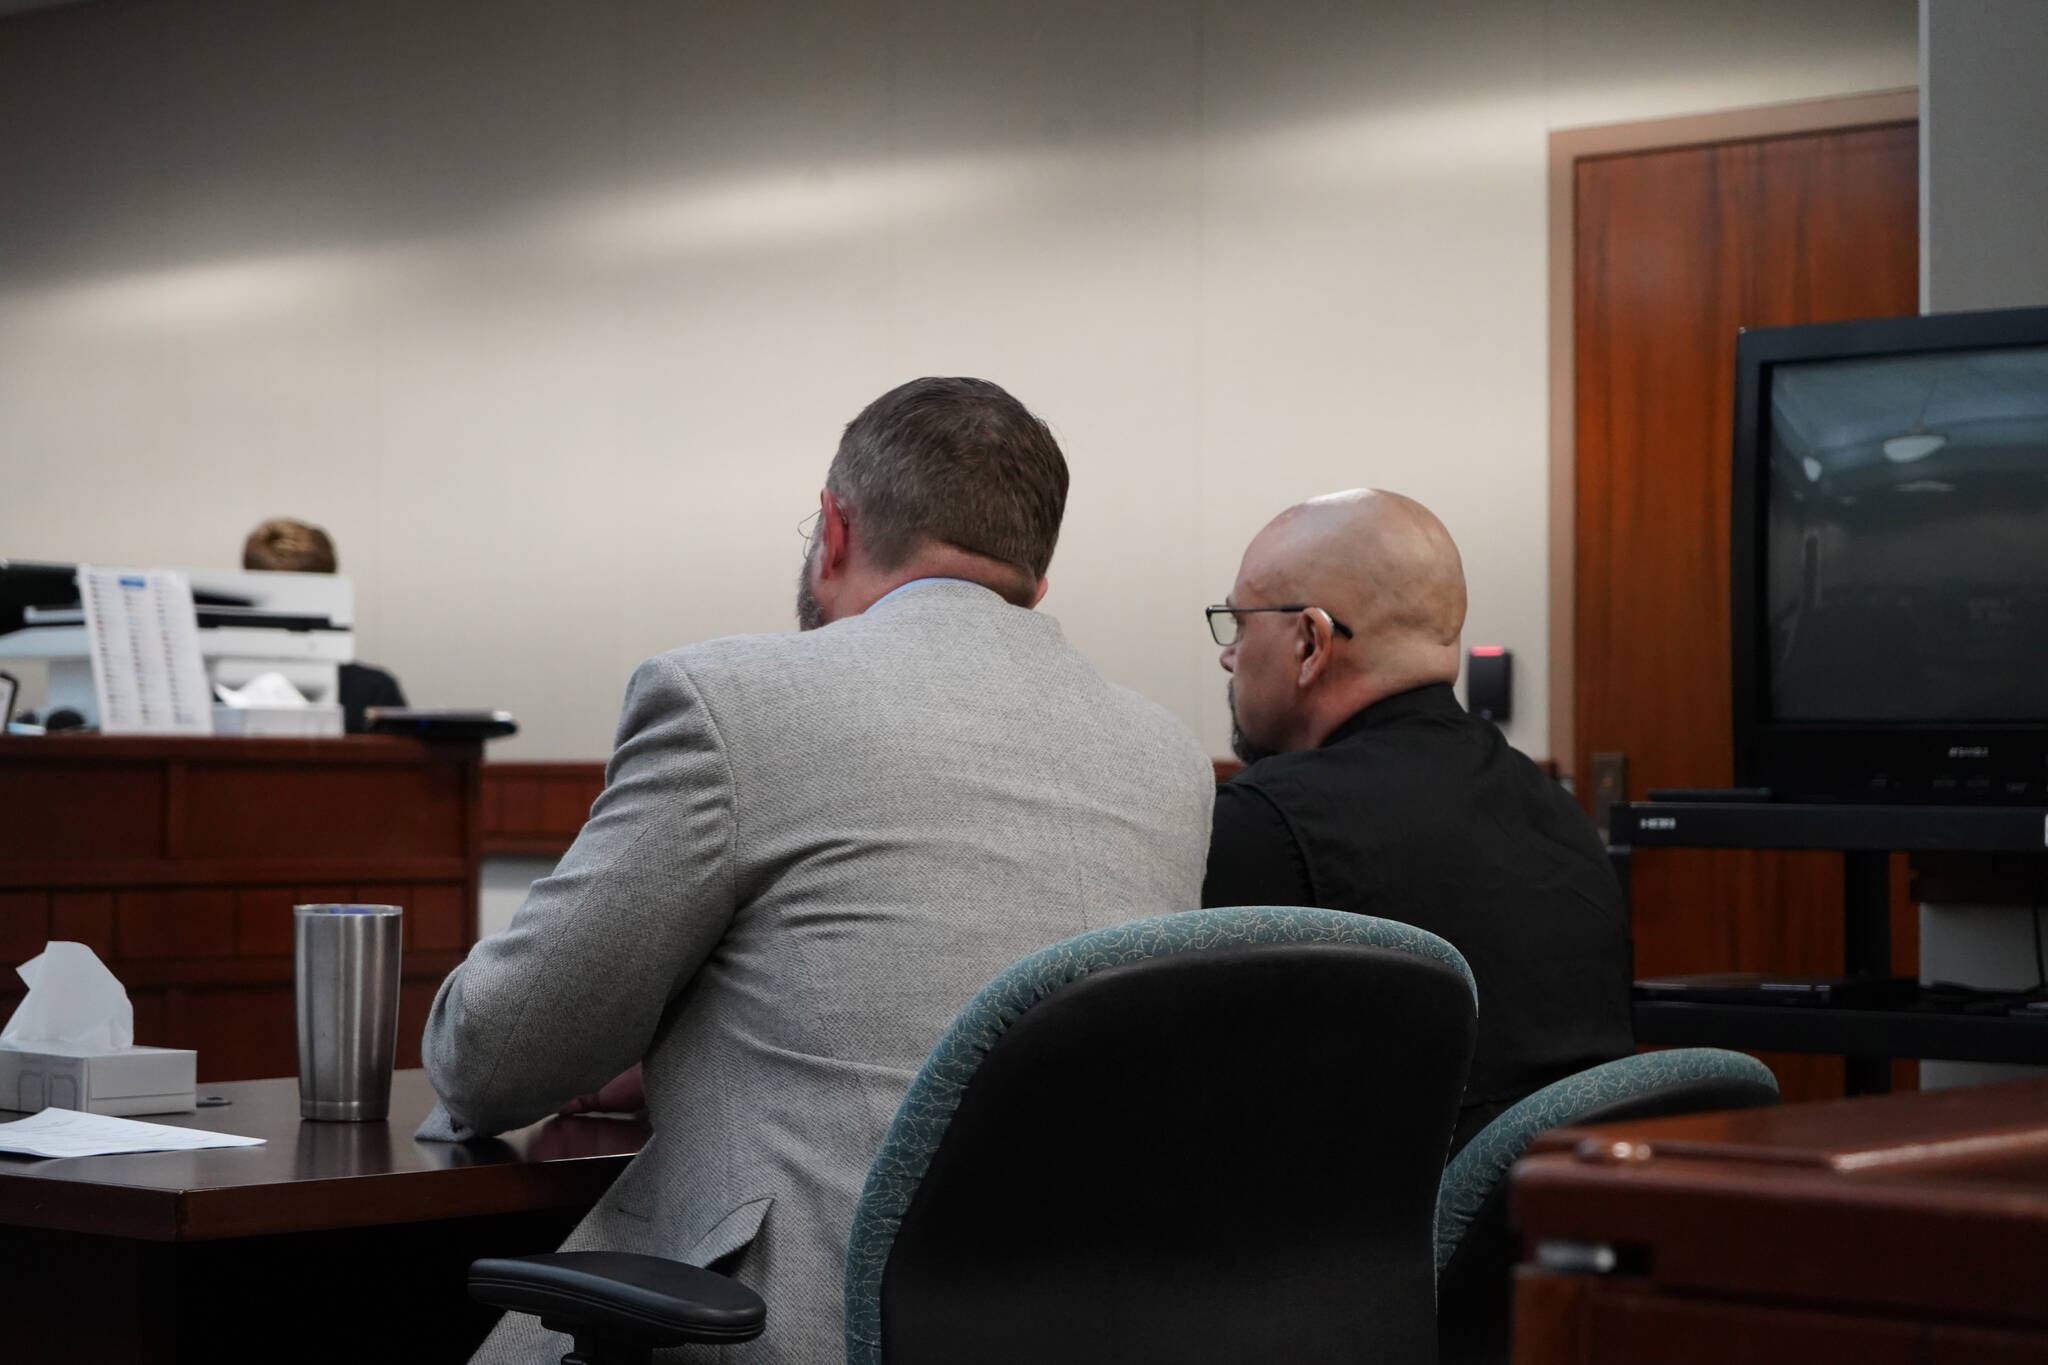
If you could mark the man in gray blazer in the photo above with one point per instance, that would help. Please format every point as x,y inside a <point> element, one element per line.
<point>812,849</point>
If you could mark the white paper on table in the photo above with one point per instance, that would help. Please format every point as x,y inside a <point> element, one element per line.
<point>68,1132</point>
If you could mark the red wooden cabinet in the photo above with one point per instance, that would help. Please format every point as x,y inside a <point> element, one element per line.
<point>1908,1228</point>
<point>178,861</point>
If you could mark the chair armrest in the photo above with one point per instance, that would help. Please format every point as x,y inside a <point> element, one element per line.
<point>1678,1081</point>
<point>618,1295</point>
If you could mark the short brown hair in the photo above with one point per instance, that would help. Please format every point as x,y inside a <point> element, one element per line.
<point>960,462</point>
<point>286,546</point>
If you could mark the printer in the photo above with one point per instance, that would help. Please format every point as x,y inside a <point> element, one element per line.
<point>299,624</point>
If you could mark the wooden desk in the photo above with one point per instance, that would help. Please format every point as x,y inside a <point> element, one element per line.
<point>334,1241</point>
<point>178,862</point>
<point>1905,1228</point>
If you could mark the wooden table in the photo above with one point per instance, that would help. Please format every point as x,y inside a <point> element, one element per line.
<point>334,1241</point>
<point>1907,1228</point>
<point>178,861</point>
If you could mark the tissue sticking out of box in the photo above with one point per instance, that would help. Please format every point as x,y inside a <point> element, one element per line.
<point>74,1003</point>
<point>268,704</point>
<point>265,689</point>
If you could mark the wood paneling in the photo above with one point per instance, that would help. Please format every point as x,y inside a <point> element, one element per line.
<point>231,808</point>
<point>24,926</point>
<point>82,917</point>
<point>536,809</point>
<point>325,893</point>
<point>1575,1320</point>
<point>184,879</point>
<point>186,922</point>
<point>110,810</point>
<point>1903,1227</point>
<point>438,917</point>
<point>1676,249</point>
<point>263,920</point>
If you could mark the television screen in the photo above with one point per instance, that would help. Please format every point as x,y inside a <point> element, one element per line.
<point>1905,564</point>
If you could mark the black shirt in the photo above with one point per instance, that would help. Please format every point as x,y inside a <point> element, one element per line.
<point>1416,810</point>
<point>361,687</point>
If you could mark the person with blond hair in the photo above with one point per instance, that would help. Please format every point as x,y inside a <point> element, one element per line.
<point>282,545</point>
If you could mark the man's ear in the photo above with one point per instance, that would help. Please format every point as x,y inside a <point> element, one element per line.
<point>1044,585</point>
<point>1311,645</point>
<point>835,536</point>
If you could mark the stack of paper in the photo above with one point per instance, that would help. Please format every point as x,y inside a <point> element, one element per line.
<point>67,1132</point>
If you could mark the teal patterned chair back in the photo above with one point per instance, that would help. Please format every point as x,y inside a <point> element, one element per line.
<point>1475,1251</point>
<point>1082,1139</point>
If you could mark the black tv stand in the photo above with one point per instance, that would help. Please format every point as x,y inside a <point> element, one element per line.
<point>1865,836</point>
<point>1716,795</point>
<point>1850,829</point>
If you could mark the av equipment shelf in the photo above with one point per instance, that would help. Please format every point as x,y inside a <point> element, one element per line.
<point>1865,836</point>
<point>1917,1030</point>
<point>1848,829</point>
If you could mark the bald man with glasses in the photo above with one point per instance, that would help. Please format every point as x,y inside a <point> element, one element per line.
<point>1369,788</point>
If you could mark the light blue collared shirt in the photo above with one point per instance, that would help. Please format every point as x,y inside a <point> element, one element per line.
<point>906,587</point>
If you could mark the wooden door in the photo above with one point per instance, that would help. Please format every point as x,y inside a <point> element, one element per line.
<point>1674,249</point>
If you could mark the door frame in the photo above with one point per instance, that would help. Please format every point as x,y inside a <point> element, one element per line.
<point>1568,146</point>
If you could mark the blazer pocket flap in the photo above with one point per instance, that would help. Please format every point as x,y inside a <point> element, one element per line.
<point>731,1234</point>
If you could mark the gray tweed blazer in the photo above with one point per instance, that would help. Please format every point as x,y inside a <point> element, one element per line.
<point>812,849</point>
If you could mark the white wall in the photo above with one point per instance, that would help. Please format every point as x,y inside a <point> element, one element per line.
<point>552,312</point>
<point>1983,203</point>
<point>1984,154</point>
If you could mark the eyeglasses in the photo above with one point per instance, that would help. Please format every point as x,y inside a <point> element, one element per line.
<point>807,529</point>
<point>1225,627</point>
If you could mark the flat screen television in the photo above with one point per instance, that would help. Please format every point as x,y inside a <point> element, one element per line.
<point>1889,559</point>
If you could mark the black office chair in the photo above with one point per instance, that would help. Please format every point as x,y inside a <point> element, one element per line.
<point>1205,1137</point>
<point>1476,1249</point>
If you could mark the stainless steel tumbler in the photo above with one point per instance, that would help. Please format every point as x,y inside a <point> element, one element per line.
<point>346,960</point>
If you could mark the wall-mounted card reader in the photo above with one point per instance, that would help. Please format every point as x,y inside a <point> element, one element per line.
<point>1489,682</point>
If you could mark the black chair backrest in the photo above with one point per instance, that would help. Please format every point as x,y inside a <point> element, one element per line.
<point>1224,1155</point>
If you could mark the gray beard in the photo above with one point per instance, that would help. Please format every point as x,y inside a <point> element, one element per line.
<point>809,615</point>
<point>1247,752</point>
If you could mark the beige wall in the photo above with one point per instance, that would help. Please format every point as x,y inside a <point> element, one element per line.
<point>1984,155</point>
<point>1983,199</point>
<point>551,311</point>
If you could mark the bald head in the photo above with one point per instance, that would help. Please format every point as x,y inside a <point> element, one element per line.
<point>1377,563</point>
<point>1382,558</point>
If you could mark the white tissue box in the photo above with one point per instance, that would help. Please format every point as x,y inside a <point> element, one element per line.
<point>130,1080</point>
<point>298,721</point>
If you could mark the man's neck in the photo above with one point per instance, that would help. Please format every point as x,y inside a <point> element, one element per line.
<point>1340,705</point>
<point>940,561</point>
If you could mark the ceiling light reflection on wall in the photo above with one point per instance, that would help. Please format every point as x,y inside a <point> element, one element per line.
<point>1914,445</point>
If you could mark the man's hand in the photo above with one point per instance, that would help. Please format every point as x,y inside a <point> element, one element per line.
<point>623,1094</point>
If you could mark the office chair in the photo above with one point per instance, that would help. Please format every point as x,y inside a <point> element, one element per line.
<point>1206,1137</point>
<point>1476,1250</point>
